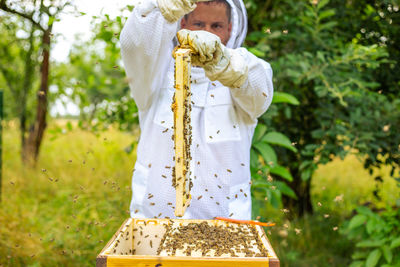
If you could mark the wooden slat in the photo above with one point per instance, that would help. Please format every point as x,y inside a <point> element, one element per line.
<point>182,90</point>
<point>113,261</point>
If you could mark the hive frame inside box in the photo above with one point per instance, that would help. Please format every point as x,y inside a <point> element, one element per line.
<point>125,238</point>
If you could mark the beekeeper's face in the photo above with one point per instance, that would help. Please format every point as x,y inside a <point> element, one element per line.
<point>211,17</point>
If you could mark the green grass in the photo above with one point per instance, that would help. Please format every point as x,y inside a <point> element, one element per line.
<point>68,222</point>
<point>64,223</point>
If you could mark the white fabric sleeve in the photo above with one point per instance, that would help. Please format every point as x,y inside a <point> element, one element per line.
<point>255,95</point>
<point>146,46</point>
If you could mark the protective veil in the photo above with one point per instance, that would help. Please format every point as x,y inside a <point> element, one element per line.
<point>223,120</point>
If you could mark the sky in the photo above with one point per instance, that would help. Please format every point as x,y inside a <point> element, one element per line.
<point>68,27</point>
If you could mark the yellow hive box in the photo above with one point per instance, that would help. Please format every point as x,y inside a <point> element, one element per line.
<point>137,243</point>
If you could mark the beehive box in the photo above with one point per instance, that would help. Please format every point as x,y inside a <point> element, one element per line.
<point>153,242</point>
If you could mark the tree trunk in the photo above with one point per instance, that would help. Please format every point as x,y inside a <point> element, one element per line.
<point>303,204</point>
<point>36,134</point>
<point>26,87</point>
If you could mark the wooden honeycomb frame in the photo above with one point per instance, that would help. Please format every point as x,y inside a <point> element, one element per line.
<point>181,107</point>
<point>130,246</point>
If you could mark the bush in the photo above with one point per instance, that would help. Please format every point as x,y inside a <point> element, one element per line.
<point>376,237</point>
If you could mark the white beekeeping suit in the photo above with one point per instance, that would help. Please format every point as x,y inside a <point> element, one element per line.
<point>223,120</point>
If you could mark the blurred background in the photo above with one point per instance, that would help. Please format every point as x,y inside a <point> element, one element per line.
<point>325,156</point>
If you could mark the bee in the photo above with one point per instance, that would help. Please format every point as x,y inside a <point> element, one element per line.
<point>162,122</point>
<point>230,215</point>
<point>166,130</point>
<point>138,243</point>
<point>151,243</point>
<point>241,190</point>
<point>228,170</point>
<point>234,126</point>
<point>216,176</point>
<point>219,187</point>
<point>242,164</point>
<point>146,236</point>
<point>212,96</point>
<point>163,176</point>
<point>236,196</point>
<point>152,204</point>
<point>217,203</point>
<point>228,198</point>
<point>168,167</point>
<point>169,203</point>
<point>136,211</point>
<point>199,197</point>
<point>150,165</point>
<point>245,194</point>
<point>198,163</point>
<point>210,137</point>
<point>218,131</point>
<point>264,94</point>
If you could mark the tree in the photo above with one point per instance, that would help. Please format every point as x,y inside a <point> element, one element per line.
<point>344,108</point>
<point>18,52</point>
<point>41,15</point>
<point>97,80</point>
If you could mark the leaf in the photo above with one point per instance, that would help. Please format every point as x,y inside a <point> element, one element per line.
<point>275,198</point>
<point>358,255</point>
<point>279,139</point>
<point>306,174</point>
<point>371,225</point>
<point>373,258</point>
<point>286,190</point>
<point>282,172</point>
<point>267,152</point>
<point>326,14</point>
<point>357,264</point>
<point>280,97</point>
<point>253,158</point>
<point>370,243</point>
<point>387,253</point>
<point>357,221</point>
<point>328,25</point>
<point>259,132</point>
<point>322,3</point>
<point>395,243</point>
<point>256,52</point>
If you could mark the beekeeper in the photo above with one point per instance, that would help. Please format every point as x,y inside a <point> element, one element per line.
<point>231,89</point>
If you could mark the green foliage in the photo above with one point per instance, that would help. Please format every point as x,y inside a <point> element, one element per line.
<point>94,78</point>
<point>376,237</point>
<point>264,164</point>
<point>18,65</point>
<point>343,106</point>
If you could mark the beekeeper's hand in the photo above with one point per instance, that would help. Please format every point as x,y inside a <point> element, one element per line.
<point>220,63</point>
<point>173,10</point>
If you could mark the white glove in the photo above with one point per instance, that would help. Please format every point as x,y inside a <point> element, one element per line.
<point>173,10</point>
<point>220,63</point>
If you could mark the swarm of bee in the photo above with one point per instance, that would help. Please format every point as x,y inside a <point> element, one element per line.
<point>205,239</point>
